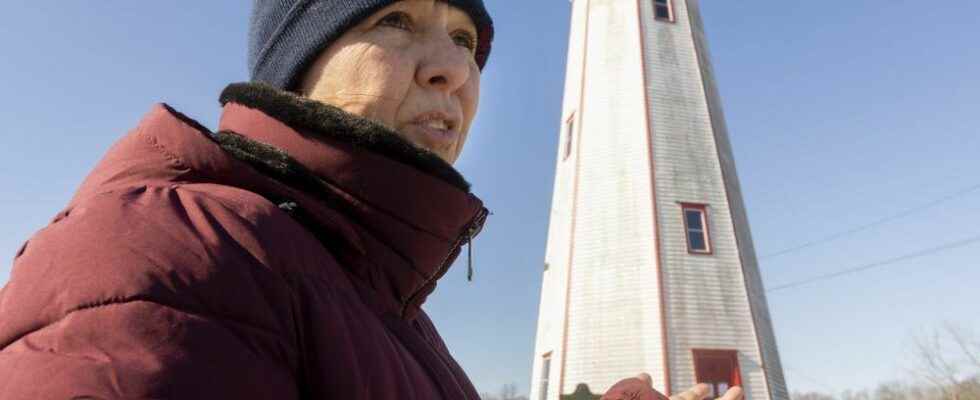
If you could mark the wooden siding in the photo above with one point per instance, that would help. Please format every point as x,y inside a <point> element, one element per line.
<point>750,267</point>
<point>613,321</point>
<point>706,297</point>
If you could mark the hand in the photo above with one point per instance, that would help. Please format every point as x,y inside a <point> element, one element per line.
<point>641,388</point>
<point>701,391</point>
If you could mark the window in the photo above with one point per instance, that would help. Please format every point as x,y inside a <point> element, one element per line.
<point>718,369</point>
<point>569,133</point>
<point>696,228</point>
<point>662,10</point>
<point>545,371</point>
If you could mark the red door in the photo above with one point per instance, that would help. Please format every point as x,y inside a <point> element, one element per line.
<point>717,368</point>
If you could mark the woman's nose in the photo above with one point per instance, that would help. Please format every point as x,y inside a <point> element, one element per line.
<point>445,66</point>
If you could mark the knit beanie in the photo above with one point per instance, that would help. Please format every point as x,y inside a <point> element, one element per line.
<point>286,36</point>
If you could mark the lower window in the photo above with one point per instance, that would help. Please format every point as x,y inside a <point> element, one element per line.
<point>718,369</point>
<point>545,372</point>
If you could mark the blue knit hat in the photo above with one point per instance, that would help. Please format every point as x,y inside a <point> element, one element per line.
<point>285,36</point>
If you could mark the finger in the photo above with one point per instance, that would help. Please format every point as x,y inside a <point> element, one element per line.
<point>646,378</point>
<point>697,392</point>
<point>734,393</point>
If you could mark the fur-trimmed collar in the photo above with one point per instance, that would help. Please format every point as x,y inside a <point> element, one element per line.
<point>315,118</point>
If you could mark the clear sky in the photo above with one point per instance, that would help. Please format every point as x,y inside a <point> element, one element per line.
<point>839,116</point>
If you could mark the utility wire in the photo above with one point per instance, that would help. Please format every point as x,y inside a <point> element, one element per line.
<point>879,264</point>
<point>809,378</point>
<point>861,228</point>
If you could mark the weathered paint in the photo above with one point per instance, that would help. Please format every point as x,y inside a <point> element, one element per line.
<point>743,235</point>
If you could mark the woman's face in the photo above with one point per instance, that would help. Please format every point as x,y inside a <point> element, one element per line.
<point>410,66</point>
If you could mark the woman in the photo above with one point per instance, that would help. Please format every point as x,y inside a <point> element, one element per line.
<point>286,255</point>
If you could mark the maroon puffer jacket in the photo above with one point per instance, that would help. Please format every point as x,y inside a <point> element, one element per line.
<point>197,265</point>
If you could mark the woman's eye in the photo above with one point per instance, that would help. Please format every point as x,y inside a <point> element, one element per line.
<point>398,20</point>
<point>465,39</point>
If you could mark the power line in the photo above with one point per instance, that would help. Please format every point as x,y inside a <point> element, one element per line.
<point>811,379</point>
<point>879,264</point>
<point>902,214</point>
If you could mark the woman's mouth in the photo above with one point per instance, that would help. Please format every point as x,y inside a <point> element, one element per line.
<point>435,130</point>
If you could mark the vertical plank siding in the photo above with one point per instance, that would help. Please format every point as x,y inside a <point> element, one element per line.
<point>743,235</point>
<point>613,322</point>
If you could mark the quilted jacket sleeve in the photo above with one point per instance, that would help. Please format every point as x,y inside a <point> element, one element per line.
<point>152,293</point>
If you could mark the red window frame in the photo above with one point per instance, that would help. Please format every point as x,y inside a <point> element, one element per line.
<point>569,135</point>
<point>706,231</point>
<point>670,10</point>
<point>715,367</point>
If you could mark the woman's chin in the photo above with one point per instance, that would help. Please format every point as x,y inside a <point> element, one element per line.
<point>438,142</point>
<point>446,155</point>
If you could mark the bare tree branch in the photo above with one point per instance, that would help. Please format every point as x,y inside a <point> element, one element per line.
<point>968,343</point>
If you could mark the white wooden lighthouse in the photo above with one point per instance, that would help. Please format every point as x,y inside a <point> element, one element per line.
<point>650,265</point>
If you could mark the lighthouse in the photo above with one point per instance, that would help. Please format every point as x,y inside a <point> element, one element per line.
<point>649,265</point>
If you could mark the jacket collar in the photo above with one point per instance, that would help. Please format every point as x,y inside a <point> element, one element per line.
<point>410,210</point>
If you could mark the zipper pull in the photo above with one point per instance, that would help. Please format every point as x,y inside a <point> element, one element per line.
<point>470,232</point>
<point>469,256</point>
<point>289,206</point>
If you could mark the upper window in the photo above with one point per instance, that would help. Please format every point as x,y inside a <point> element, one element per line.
<point>569,133</point>
<point>696,228</point>
<point>663,10</point>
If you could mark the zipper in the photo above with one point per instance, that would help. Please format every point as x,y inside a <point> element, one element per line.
<point>469,260</point>
<point>472,228</point>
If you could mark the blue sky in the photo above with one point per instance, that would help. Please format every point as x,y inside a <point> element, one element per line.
<point>839,116</point>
